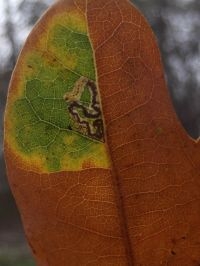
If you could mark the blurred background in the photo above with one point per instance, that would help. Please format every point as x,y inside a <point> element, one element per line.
<point>177,27</point>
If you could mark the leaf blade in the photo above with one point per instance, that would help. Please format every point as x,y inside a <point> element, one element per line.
<point>138,202</point>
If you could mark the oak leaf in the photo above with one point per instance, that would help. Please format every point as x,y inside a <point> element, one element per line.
<point>101,169</point>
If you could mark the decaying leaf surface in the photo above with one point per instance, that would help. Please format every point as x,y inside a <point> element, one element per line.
<point>100,167</point>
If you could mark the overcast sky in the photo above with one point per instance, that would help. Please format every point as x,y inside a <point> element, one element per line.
<point>18,19</point>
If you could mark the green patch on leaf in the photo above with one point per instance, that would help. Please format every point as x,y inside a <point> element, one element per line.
<point>60,134</point>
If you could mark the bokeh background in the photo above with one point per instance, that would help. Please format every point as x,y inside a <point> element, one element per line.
<point>177,27</point>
